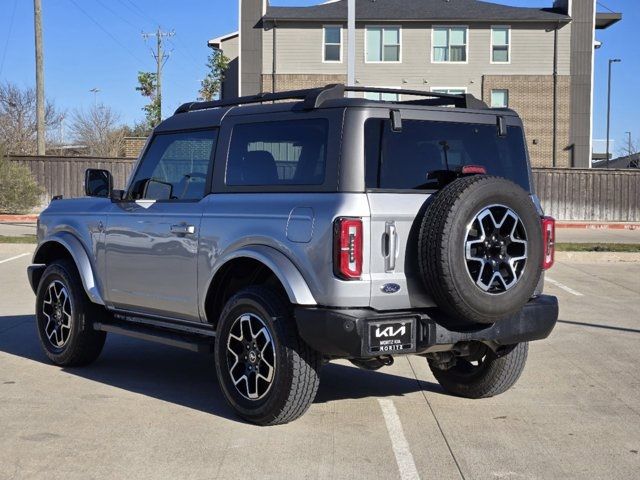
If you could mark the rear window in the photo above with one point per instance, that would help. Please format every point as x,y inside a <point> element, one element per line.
<point>404,160</point>
<point>278,153</point>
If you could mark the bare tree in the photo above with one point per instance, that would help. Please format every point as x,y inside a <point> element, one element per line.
<point>629,148</point>
<point>99,129</point>
<point>18,118</point>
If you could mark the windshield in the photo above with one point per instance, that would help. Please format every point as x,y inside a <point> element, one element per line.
<point>404,160</point>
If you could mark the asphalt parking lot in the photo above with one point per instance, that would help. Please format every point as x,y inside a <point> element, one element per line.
<point>149,411</point>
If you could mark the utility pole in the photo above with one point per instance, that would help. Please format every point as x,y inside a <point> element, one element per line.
<point>40,126</point>
<point>161,58</point>
<point>611,61</point>
<point>629,146</point>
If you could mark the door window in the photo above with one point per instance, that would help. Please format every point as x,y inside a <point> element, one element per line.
<point>175,166</point>
<point>278,153</point>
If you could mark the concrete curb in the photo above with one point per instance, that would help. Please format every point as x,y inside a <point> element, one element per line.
<point>599,225</point>
<point>18,218</point>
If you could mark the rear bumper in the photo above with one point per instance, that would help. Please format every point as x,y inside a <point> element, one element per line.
<point>342,333</point>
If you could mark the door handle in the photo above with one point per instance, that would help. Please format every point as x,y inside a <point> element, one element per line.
<point>390,246</point>
<point>183,229</point>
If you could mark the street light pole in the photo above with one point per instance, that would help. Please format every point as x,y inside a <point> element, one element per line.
<point>611,61</point>
<point>351,43</point>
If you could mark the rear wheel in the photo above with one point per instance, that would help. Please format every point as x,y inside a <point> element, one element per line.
<point>267,373</point>
<point>484,374</point>
<point>64,317</point>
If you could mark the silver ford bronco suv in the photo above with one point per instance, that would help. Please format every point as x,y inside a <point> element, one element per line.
<point>282,231</point>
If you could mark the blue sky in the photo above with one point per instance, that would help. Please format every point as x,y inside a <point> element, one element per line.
<point>98,44</point>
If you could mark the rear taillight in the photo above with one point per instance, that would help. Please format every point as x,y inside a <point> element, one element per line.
<point>548,241</point>
<point>347,250</point>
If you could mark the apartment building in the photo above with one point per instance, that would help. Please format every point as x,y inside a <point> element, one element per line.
<point>538,61</point>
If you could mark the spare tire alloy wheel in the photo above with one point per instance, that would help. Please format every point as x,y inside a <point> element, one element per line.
<point>496,249</point>
<point>480,250</point>
<point>251,356</point>
<point>57,309</point>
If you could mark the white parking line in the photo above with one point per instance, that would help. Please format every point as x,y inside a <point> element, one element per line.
<point>404,459</point>
<point>14,258</point>
<point>563,287</point>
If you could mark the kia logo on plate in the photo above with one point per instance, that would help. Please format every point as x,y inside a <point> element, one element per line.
<point>390,332</point>
<point>390,288</point>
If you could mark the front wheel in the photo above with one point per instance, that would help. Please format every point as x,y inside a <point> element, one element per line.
<point>267,373</point>
<point>484,374</point>
<point>65,316</point>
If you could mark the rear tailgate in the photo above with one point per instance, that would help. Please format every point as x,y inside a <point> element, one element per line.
<point>395,224</point>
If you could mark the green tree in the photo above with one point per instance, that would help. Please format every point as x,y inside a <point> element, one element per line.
<point>19,192</point>
<point>147,82</point>
<point>211,85</point>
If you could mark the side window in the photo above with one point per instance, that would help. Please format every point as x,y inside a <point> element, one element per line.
<point>278,153</point>
<point>175,166</point>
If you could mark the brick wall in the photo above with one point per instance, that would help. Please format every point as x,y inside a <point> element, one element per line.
<point>286,82</point>
<point>532,97</point>
<point>133,146</point>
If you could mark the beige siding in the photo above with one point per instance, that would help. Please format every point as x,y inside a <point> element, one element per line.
<point>299,51</point>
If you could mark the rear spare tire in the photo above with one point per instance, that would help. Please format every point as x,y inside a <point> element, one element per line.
<point>480,249</point>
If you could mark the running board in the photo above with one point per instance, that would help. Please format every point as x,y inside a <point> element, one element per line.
<point>194,342</point>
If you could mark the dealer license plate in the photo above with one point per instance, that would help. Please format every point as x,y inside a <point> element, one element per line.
<point>392,336</point>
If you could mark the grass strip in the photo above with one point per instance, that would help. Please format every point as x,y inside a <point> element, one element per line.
<point>18,239</point>
<point>598,247</point>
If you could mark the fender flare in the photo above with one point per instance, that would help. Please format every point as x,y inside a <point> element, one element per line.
<point>80,258</point>
<point>283,268</point>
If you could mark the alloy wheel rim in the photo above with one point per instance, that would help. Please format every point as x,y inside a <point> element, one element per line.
<point>251,356</point>
<point>496,249</point>
<point>57,309</point>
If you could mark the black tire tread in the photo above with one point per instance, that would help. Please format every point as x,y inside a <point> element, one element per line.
<point>305,362</point>
<point>436,225</point>
<point>500,375</point>
<point>88,343</point>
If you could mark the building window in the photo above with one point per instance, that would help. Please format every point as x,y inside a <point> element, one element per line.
<point>450,90</point>
<point>332,43</point>
<point>385,97</point>
<point>383,44</point>
<point>500,42</point>
<point>499,98</point>
<point>450,44</point>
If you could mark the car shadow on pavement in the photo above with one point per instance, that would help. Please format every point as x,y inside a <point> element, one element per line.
<point>187,378</point>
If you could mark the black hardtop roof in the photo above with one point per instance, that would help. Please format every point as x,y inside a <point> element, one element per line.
<point>210,114</point>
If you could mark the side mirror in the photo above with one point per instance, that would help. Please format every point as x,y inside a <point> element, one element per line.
<point>157,190</point>
<point>98,183</point>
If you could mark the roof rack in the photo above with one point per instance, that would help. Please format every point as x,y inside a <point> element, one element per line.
<point>316,97</point>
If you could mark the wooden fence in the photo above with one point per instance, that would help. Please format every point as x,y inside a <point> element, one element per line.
<point>65,175</point>
<point>589,194</point>
<point>566,194</point>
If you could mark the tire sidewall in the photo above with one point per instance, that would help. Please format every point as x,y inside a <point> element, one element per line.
<point>59,272</point>
<point>238,305</point>
<point>512,300</point>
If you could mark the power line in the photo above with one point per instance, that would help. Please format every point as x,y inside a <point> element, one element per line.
<point>135,9</point>
<point>6,43</point>
<point>117,15</point>
<point>99,25</point>
<point>161,58</point>
<point>605,7</point>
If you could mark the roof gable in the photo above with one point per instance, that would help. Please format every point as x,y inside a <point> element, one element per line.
<point>412,10</point>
